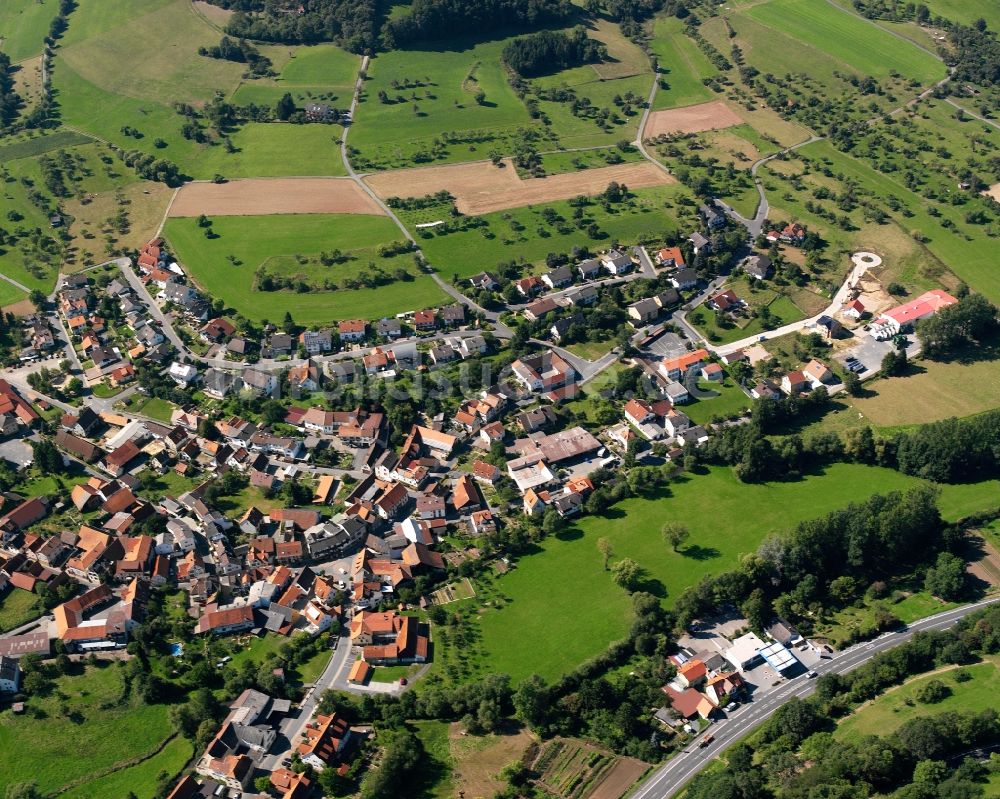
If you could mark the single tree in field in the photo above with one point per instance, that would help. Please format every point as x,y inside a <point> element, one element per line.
<point>627,573</point>
<point>604,547</point>
<point>675,534</point>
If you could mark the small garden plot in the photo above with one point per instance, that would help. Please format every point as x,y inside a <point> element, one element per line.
<point>572,769</point>
<point>453,592</point>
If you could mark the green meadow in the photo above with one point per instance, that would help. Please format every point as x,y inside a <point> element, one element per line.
<point>318,73</point>
<point>522,233</point>
<point>973,260</point>
<point>845,38</point>
<point>142,779</point>
<point>254,240</point>
<point>886,713</point>
<point>566,605</point>
<point>431,96</point>
<point>24,24</point>
<point>86,710</point>
<point>682,66</point>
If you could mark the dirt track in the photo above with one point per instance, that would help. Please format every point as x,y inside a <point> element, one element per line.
<point>278,196</point>
<point>691,119</point>
<point>481,188</point>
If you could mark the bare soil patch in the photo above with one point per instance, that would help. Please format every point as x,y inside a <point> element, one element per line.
<point>987,568</point>
<point>623,775</point>
<point>480,188</point>
<point>214,14</point>
<point>477,770</point>
<point>691,119</point>
<point>994,192</point>
<point>258,196</point>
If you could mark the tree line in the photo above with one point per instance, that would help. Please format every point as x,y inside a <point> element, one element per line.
<point>440,19</point>
<point>551,51</point>
<point>794,755</point>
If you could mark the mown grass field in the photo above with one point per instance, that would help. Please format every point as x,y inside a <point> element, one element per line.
<point>967,11</point>
<point>141,779</point>
<point>563,602</point>
<point>682,66</point>
<point>98,96</point>
<point>846,38</point>
<point>523,233</point>
<point>83,711</point>
<point>318,73</point>
<point>731,401</point>
<point>389,134</point>
<point>938,391</point>
<point>24,24</point>
<point>253,240</point>
<point>10,294</point>
<point>886,713</point>
<point>18,607</point>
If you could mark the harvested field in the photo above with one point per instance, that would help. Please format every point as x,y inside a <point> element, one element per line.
<point>259,196</point>
<point>623,775</point>
<point>572,769</point>
<point>481,188</point>
<point>479,761</point>
<point>691,119</point>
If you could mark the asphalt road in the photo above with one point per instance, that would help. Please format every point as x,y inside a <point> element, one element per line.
<point>673,775</point>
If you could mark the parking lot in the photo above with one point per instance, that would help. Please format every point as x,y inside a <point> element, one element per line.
<point>669,345</point>
<point>871,352</point>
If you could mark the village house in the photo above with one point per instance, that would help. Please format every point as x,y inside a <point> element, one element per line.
<point>351,330</point>
<point>670,257</point>
<point>543,372</point>
<point>558,278</point>
<point>818,373</point>
<point>388,328</point>
<point>757,266</point>
<point>617,263</point>
<point>529,286</point>
<point>589,269</point>
<point>795,383</point>
<point>684,279</point>
<point>316,342</point>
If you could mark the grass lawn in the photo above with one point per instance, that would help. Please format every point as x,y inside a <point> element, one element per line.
<point>254,240</point>
<point>156,408</point>
<point>51,486</point>
<point>909,608</point>
<point>938,391</point>
<point>682,66</point>
<point>781,308</point>
<point>730,402</point>
<point>563,601</point>
<point>431,94</point>
<point>591,350</point>
<point>238,504</point>
<point>391,673</point>
<point>309,671</point>
<point>854,43</point>
<point>9,294</point>
<point>963,499</point>
<point>24,24</point>
<point>888,712</point>
<point>83,710</point>
<point>18,607</point>
<point>141,779</point>
<point>523,233</point>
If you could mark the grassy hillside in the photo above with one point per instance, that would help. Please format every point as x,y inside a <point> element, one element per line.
<point>24,24</point>
<point>276,240</point>
<point>565,607</point>
<point>852,42</point>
